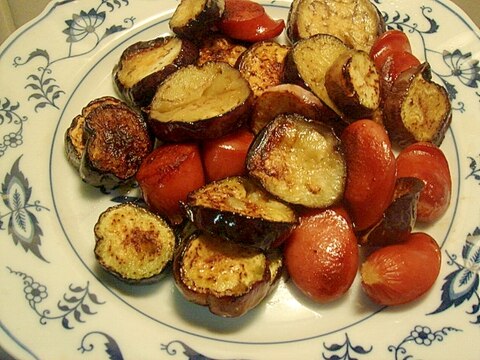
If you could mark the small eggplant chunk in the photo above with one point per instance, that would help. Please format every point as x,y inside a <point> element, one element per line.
<point>229,278</point>
<point>288,99</point>
<point>298,160</point>
<point>353,84</point>
<point>218,47</point>
<point>117,140</point>
<point>417,109</point>
<point>399,218</point>
<point>145,64</point>
<point>75,137</point>
<point>309,60</point>
<point>200,102</point>
<point>356,22</point>
<point>193,19</point>
<point>263,65</point>
<point>239,210</point>
<point>133,244</point>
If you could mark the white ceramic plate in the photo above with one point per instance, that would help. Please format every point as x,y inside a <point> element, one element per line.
<point>56,303</point>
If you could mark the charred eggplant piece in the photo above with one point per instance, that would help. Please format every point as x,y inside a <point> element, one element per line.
<point>357,23</point>
<point>309,60</point>
<point>75,137</point>
<point>220,48</point>
<point>117,140</point>
<point>229,278</point>
<point>193,19</point>
<point>200,102</point>
<point>353,84</point>
<point>299,161</point>
<point>133,244</point>
<point>241,211</point>
<point>417,109</point>
<point>399,218</point>
<point>145,64</point>
<point>263,65</point>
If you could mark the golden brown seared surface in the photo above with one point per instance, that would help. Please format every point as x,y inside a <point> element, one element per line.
<point>220,48</point>
<point>133,243</point>
<point>263,65</point>
<point>355,22</point>
<point>299,161</point>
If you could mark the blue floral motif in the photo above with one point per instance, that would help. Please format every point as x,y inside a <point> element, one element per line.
<point>73,307</point>
<point>344,351</point>
<point>191,354</point>
<point>419,336</point>
<point>23,225</point>
<point>12,125</point>
<point>474,169</point>
<point>80,27</point>
<point>111,346</point>
<point>463,67</point>
<point>462,284</point>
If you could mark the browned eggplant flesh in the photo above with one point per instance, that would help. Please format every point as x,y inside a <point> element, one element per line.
<point>145,64</point>
<point>117,140</point>
<point>241,211</point>
<point>263,65</point>
<point>133,244</point>
<point>200,102</point>
<point>353,84</point>
<point>299,161</point>
<point>356,22</point>
<point>417,109</point>
<point>310,59</point>
<point>193,19</point>
<point>229,278</point>
<point>75,136</point>
<point>217,47</point>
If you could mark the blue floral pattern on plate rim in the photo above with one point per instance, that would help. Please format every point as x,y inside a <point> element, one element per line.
<point>26,212</point>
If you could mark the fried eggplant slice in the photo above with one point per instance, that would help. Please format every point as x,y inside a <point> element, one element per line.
<point>298,160</point>
<point>353,84</point>
<point>145,64</point>
<point>117,140</point>
<point>75,137</point>
<point>239,210</point>
<point>218,47</point>
<point>356,22</point>
<point>399,218</point>
<point>229,278</point>
<point>133,244</point>
<point>417,109</point>
<point>200,102</point>
<point>289,99</point>
<point>193,19</point>
<point>263,65</point>
<point>309,60</point>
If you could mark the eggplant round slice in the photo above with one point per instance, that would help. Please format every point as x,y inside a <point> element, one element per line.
<point>193,19</point>
<point>145,64</point>
<point>229,278</point>
<point>133,244</point>
<point>298,160</point>
<point>200,102</point>
<point>117,141</point>
<point>357,22</point>
<point>239,210</point>
<point>75,137</point>
<point>417,109</point>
